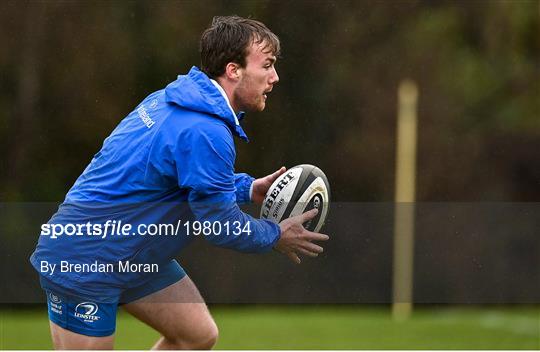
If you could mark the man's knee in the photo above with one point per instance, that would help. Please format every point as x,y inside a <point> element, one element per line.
<point>199,338</point>
<point>208,338</point>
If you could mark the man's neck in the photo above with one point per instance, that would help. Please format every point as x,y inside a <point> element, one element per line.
<point>228,89</point>
<point>226,97</point>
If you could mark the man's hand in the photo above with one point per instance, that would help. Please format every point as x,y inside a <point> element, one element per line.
<point>295,239</point>
<point>261,185</point>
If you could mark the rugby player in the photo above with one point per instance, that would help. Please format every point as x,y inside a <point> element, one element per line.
<point>171,159</point>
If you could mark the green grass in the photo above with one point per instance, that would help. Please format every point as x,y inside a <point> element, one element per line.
<point>326,327</point>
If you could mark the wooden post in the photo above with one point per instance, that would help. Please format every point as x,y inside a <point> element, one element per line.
<point>405,198</point>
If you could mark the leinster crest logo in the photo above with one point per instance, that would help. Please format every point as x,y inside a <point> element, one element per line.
<point>87,311</point>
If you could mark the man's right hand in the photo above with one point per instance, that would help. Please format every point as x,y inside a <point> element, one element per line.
<point>295,239</point>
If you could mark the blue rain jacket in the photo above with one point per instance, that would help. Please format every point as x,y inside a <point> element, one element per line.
<point>171,159</point>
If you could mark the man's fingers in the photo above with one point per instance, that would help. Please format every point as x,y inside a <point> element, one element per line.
<point>308,215</point>
<point>276,174</point>
<point>314,236</point>
<point>312,247</point>
<point>308,253</point>
<point>294,257</point>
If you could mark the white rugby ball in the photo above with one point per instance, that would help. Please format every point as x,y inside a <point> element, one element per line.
<point>298,190</point>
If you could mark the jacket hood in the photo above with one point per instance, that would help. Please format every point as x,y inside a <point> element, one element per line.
<point>196,92</point>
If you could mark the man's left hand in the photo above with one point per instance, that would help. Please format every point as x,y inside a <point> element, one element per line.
<point>261,185</point>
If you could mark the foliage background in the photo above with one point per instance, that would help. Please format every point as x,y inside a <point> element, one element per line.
<point>71,70</point>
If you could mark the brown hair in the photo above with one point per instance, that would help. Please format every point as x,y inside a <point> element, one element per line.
<point>229,38</point>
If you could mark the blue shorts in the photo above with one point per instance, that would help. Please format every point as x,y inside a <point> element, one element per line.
<point>86,316</point>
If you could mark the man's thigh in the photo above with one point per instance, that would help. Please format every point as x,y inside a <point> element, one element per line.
<point>68,340</point>
<point>178,312</point>
<point>80,323</point>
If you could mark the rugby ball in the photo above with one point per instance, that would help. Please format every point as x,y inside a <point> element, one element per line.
<point>298,190</point>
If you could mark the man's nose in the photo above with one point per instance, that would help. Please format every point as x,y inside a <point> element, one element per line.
<point>275,78</point>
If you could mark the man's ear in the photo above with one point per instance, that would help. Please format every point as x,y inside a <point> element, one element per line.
<point>233,71</point>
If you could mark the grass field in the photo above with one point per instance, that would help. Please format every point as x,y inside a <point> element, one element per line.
<point>319,327</point>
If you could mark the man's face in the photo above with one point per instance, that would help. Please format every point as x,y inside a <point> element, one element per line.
<point>256,80</point>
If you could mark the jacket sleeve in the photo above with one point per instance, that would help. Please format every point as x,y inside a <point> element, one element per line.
<point>242,183</point>
<point>205,166</point>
